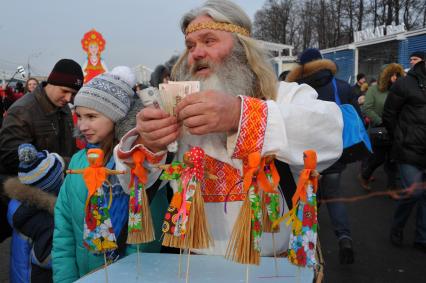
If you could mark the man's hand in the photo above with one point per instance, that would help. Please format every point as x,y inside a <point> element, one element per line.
<point>210,112</point>
<point>156,128</point>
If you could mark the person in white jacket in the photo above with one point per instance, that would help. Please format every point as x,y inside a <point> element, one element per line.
<point>240,109</point>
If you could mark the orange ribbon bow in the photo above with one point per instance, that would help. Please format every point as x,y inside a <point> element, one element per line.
<point>95,174</point>
<point>138,171</point>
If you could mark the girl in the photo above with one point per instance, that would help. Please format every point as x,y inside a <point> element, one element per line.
<point>100,106</point>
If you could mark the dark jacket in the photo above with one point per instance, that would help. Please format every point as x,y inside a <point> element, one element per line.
<point>356,89</point>
<point>34,119</point>
<point>319,75</point>
<point>404,116</point>
<point>34,217</point>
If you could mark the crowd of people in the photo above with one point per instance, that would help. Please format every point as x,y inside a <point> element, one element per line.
<point>241,108</point>
<point>9,95</point>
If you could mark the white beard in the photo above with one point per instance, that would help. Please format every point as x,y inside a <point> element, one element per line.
<point>234,77</point>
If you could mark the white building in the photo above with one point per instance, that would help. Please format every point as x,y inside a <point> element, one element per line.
<point>143,74</point>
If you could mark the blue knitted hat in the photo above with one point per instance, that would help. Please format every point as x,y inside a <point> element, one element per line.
<point>40,169</point>
<point>310,54</point>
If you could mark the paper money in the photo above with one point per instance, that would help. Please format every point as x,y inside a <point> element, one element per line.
<point>188,86</point>
<point>174,91</point>
<point>170,96</point>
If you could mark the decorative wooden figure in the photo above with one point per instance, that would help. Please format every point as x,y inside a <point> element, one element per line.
<point>303,215</point>
<point>98,235</point>
<point>140,227</point>
<point>185,223</point>
<point>244,243</point>
<point>269,180</point>
<point>93,44</point>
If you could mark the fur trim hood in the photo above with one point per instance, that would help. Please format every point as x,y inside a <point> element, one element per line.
<point>302,71</point>
<point>384,83</point>
<point>33,196</point>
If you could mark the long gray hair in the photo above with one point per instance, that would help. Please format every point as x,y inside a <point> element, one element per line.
<point>228,12</point>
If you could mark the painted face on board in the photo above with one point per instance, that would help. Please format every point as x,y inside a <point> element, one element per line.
<point>93,48</point>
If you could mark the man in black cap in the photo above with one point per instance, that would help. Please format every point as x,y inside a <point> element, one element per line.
<point>416,57</point>
<point>360,80</point>
<point>41,118</point>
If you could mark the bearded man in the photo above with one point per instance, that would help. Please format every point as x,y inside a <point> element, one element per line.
<point>240,109</point>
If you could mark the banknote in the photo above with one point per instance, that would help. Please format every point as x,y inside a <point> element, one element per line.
<point>188,86</point>
<point>173,92</point>
<point>170,96</point>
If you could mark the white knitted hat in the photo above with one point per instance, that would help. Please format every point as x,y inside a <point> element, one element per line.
<point>126,74</point>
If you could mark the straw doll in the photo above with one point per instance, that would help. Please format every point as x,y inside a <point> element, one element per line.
<point>244,244</point>
<point>303,215</point>
<point>185,223</point>
<point>98,236</point>
<point>140,227</point>
<point>268,180</point>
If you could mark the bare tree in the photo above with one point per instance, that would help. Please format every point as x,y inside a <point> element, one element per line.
<point>271,22</point>
<point>389,15</point>
<point>360,14</point>
<point>375,13</point>
<point>397,9</point>
<point>329,23</point>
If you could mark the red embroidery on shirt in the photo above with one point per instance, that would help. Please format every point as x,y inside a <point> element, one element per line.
<point>252,128</point>
<point>228,182</point>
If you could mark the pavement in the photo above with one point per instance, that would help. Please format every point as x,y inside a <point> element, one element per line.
<point>376,260</point>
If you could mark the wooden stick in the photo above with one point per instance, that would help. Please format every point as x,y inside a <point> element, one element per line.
<point>138,262</point>
<point>247,273</point>
<point>275,254</point>
<point>180,263</point>
<point>298,274</point>
<point>187,266</point>
<point>106,271</point>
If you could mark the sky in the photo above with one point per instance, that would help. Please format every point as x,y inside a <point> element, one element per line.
<point>136,31</point>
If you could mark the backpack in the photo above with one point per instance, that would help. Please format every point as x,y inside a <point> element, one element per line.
<point>356,143</point>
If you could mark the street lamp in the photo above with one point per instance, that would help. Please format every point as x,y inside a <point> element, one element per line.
<point>19,69</point>
<point>33,55</point>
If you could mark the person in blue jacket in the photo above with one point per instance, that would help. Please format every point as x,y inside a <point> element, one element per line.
<point>100,105</point>
<point>33,195</point>
<point>319,73</point>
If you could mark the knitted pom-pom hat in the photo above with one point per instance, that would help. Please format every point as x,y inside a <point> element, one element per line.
<point>108,94</point>
<point>40,169</point>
